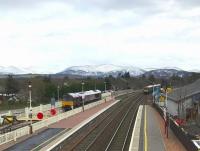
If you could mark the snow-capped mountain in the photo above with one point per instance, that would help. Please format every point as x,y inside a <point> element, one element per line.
<point>195,70</point>
<point>99,70</point>
<point>26,70</point>
<point>167,68</point>
<point>167,72</point>
<point>102,70</point>
<point>14,70</point>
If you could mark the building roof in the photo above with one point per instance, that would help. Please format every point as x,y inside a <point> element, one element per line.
<point>185,92</point>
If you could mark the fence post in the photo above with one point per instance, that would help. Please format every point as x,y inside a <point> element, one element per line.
<point>31,129</point>
<point>9,112</point>
<point>26,113</point>
<point>15,135</point>
<point>6,135</point>
<point>40,107</point>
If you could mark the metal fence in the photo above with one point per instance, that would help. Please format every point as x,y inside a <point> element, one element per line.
<point>184,137</point>
<point>42,108</point>
<point>7,137</point>
<point>13,135</point>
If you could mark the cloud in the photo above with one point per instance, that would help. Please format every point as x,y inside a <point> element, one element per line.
<point>54,35</point>
<point>103,4</point>
<point>141,6</point>
<point>190,3</point>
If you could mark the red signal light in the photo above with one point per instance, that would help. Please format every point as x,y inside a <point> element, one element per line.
<point>40,115</point>
<point>53,111</point>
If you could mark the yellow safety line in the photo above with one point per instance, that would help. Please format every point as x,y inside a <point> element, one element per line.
<point>145,130</point>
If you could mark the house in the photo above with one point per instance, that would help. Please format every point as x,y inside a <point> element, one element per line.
<point>184,102</point>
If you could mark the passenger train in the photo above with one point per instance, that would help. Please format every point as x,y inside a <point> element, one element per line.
<point>149,89</point>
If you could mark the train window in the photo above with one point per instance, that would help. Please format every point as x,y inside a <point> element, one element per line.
<point>67,97</point>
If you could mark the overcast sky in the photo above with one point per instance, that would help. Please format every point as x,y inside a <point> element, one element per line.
<point>51,35</point>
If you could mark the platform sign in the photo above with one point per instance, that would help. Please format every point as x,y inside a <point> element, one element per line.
<point>169,90</point>
<point>162,98</point>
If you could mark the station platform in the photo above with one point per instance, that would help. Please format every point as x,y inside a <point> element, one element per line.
<point>149,133</point>
<point>68,124</point>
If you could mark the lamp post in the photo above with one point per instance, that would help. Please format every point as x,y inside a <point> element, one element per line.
<point>83,97</point>
<point>95,85</point>
<point>165,114</point>
<point>30,107</point>
<point>105,86</point>
<point>82,86</point>
<point>58,88</point>
<point>153,92</point>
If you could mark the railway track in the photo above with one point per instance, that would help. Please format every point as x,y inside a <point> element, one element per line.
<point>11,127</point>
<point>109,131</point>
<point>121,138</point>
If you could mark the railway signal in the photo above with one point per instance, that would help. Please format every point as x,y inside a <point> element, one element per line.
<point>40,115</point>
<point>53,112</point>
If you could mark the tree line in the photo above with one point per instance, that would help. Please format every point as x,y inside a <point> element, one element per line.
<point>45,87</point>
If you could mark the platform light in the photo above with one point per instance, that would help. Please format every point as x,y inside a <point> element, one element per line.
<point>82,86</point>
<point>58,89</point>
<point>30,107</point>
<point>30,100</point>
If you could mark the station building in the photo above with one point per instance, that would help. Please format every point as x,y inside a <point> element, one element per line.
<point>184,102</point>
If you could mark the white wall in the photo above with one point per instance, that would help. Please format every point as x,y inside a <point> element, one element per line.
<point>188,103</point>
<point>172,107</point>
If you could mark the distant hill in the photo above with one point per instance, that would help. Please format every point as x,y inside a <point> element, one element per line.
<point>13,70</point>
<point>167,73</point>
<point>102,70</point>
<point>98,71</point>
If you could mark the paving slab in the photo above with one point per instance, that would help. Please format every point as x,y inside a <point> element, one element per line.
<point>35,140</point>
<point>72,121</point>
<point>67,123</point>
<point>152,135</point>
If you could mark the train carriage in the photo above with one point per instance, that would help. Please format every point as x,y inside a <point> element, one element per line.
<point>149,89</point>
<point>73,100</point>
